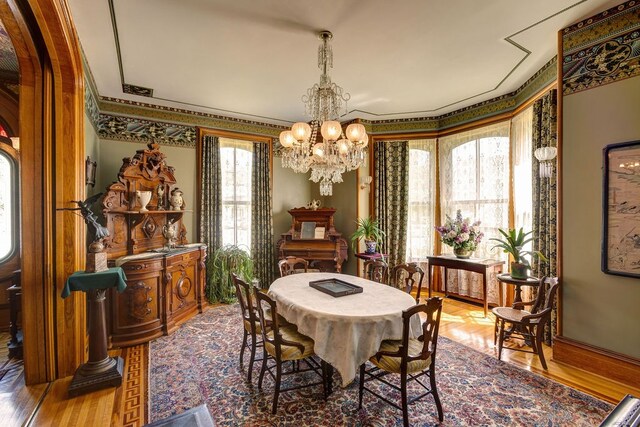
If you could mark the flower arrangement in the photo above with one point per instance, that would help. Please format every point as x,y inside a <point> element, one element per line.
<point>460,233</point>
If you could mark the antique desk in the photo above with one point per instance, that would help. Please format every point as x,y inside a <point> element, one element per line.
<point>327,252</point>
<point>475,265</point>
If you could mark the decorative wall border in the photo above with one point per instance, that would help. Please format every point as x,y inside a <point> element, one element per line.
<point>90,94</point>
<point>602,49</point>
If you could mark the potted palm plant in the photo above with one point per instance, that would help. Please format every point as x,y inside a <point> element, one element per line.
<point>513,243</point>
<point>369,230</point>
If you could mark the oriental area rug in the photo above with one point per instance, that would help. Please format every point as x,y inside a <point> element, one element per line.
<point>199,364</point>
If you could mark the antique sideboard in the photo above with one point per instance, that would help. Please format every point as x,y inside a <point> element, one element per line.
<point>165,286</point>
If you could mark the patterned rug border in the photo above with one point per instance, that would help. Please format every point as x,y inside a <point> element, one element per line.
<point>259,402</point>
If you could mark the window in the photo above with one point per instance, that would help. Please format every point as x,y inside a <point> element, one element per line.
<point>422,185</point>
<point>475,179</point>
<point>235,159</point>
<point>8,219</point>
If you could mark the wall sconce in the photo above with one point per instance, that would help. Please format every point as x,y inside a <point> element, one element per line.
<point>90,171</point>
<point>365,182</point>
<point>545,155</point>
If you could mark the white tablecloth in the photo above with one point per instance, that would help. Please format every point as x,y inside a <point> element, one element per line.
<point>347,330</point>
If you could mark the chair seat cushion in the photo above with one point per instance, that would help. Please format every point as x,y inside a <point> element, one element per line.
<point>288,352</point>
<point>509,314</point>
<point>281,321</point>
<point>392,364</point>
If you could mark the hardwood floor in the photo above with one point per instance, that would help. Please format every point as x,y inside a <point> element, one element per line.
<point>128,405</point>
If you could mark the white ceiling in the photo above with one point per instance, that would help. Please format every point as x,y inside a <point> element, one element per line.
<point>255,59</point>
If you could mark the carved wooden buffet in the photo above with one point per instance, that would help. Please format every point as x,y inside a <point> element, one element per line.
<point>165,287</point>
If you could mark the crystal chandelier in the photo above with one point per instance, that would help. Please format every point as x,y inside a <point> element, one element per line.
<point>339,151</point>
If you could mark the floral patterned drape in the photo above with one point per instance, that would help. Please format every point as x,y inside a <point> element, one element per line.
<point>262,247</point>
<point>545,237</point>
<point>391,180</point>
<point>211,196</point>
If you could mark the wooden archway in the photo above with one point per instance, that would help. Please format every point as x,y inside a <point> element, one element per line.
<point>52,174</point>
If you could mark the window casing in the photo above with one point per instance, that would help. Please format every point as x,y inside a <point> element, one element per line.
<point>236,165</point>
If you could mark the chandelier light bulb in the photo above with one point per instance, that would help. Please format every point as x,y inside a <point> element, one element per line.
<point>318,149</point>
<point>287,139</point>
<point>301,131</point>
<point>331,130</point>
<point>343,146</point>
<point>355,132</point>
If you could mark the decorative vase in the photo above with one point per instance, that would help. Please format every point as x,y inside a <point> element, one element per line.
<point>519,270</point>
<point>144,197</point>
<point>370,246</point>
<point>462,253</point>
<point>176,199</point>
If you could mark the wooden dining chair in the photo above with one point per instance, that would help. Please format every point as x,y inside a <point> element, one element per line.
<point>410,358</point>
<point>376,270</point>
<point>284,343</point>
<point>406,276</point>
<point>292,265</point>
<point>252,328</point>
<point>528,325</point>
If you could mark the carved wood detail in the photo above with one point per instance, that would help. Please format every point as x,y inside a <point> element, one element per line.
<point>139,300</point>
<point>164,288</point>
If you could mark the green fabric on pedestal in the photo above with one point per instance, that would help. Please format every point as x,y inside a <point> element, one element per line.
<point>81,281</point>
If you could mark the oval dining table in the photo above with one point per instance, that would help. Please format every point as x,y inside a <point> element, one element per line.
<point>346,330</point>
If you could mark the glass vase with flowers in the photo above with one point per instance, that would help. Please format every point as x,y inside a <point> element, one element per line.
<point>461,234</point>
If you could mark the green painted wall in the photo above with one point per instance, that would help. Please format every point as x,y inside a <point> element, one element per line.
<point>290,190</point>
<point>598,309</point>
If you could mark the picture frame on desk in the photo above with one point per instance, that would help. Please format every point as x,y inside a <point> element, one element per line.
<point>621,209</point>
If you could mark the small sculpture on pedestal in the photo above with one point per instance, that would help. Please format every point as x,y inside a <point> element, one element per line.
<point>160,194</point>
<point>96,257</point>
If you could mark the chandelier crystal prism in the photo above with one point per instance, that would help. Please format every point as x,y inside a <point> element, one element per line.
<point>322,146</point>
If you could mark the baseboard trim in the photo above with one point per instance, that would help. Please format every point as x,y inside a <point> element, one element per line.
<point>616,366</point>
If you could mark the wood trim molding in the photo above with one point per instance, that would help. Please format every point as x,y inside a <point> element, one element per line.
<point>51,113</point>
<point>616,366</point>
<point>559,182</point>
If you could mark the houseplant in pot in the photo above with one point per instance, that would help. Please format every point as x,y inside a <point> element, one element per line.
<point>461,234</point>
<point>369,230</point>
<point>224,261</point>
<point>513,243</point>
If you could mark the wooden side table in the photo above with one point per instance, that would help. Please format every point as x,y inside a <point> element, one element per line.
<point>482,266</point>
<point>370,257</point>
<point>100,371</point>
<point>517,283</point>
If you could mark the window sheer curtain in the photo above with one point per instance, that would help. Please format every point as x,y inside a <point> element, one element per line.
<point>262,247</point>
<point>474,177</point>
<point>521,137</point>
<point>422,189</point>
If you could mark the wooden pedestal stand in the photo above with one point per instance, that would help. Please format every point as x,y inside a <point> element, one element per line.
<point>101,371</point>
